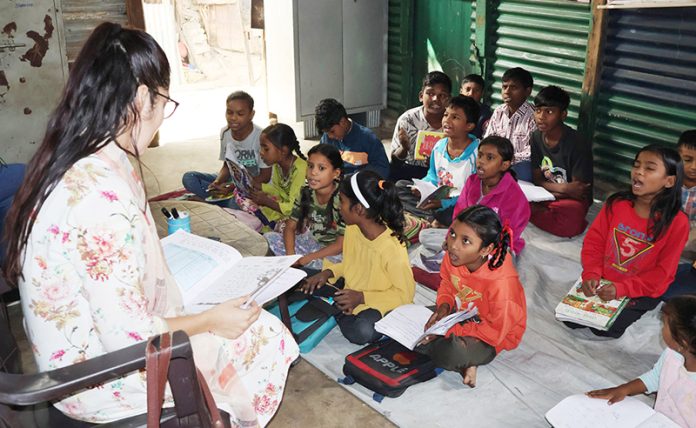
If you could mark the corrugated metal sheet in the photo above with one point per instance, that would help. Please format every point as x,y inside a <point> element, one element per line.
<point>80,17</point>
<point>399,54</point>
<point>442,40</point>
<point>648,89</point>
<point>546,37</point>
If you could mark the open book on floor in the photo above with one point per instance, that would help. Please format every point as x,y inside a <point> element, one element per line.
<point>405,324</point>
<point>430,192</point>
<point>209,272</point>
<point>581,411</point>
<point>589,311</point>
<point>535,193</point>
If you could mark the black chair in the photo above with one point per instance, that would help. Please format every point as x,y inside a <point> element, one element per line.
<point>24,398</point>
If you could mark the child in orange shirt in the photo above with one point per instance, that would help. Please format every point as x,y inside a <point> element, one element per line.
<point>475,270</point>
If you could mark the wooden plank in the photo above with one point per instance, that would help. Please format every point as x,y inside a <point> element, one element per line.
<point>136,16</point>
<point>593,69</point>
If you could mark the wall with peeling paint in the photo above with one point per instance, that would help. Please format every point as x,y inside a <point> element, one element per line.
<point>33,72</point>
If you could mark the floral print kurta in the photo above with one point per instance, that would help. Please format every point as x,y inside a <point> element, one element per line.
<point>95,280</point>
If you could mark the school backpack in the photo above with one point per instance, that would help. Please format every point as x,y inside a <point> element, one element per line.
<point>311,318</point>
<point>387,368</point>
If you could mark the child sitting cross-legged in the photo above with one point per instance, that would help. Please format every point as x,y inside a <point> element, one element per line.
<point>452,161</point>
<point>562,164</point>
<point>476,270</point>
<point>375,266</point>
<point>315,227</point>
<point>276,199</point>
<point>636,239</point>
<point>674,375</point>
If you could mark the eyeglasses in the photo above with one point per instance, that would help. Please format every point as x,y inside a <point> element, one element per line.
<point>169,107</point>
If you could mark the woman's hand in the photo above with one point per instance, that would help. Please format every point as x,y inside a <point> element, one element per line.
<point>589,287</point>
<point>229,320</point>
<point>316,281</point>
<point>347,300</point>
<point>442,311</point>
<point>613,395</point>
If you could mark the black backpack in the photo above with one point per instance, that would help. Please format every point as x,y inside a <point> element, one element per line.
<point>387,368</point>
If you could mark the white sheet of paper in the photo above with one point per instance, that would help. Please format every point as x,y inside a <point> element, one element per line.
<point>424,187</point>
<point>535,193</point>
<point>405,324</point>
<point>279,286</point>
<point>581,411</point>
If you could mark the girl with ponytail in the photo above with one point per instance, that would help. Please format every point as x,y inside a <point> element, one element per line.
<point>476,271</point>
<point>375,269</point>
<point>276,198</point>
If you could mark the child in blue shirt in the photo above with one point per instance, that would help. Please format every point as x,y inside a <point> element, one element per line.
<point>360,148</point>
<point>452,161</point>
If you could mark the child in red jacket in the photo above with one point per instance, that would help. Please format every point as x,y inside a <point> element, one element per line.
<point>475,270</point>
<point>637,238</point>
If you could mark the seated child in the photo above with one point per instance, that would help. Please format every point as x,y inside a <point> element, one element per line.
<point>514,119</point>
<point>674,375</point>
<point>434,95</point>
<point>375,264</point>
<point>473,86</point>
<point>475,270</point>
<point>452,161</point>
<point>562,164</point>
<point>276,199</point>
<point>239,141</point>
<point>316,212</point>
<point>360,148</point>
<point>685,279</point>
<point>637,238</point>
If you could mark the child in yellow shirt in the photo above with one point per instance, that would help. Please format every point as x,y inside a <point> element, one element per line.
<point>375,267</point>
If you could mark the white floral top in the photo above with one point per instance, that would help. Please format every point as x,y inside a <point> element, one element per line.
<point>95,281</point>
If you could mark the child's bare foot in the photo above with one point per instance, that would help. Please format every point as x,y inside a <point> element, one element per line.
<point>469,376</point>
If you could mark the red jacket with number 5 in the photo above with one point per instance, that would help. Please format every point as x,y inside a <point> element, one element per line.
<point>619,248</point>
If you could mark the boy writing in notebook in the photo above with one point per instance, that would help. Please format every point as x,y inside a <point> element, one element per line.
<point>434,96</point>
<point>562,164</point>
<point>514,119</point>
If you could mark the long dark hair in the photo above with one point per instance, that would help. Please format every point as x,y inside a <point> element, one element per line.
<point>282,135</point>
<point>96,107</point>
<point>331,153</point>
<point>681,320</point>
<point>381,195</point>
<point>666,204</point>
<point>486,224</point>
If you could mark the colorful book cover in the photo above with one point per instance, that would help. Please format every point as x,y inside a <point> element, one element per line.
<point>425,142</point>
<point>589,311</point>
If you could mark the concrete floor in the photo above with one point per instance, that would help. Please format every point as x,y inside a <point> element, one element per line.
<point>311,399</point>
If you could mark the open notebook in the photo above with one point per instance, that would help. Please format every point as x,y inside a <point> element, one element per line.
<point>209,272</point>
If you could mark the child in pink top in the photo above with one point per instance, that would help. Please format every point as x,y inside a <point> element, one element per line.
<point>495,186</point>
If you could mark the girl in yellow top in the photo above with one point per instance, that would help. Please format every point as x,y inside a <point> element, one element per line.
<point>375,266</point>
<point>276,198</point>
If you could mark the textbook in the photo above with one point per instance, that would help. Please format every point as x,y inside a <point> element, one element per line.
<point>239,177</point>
<point>405,324</point>
<point>425,141</point>
<point>428,191</point>
<point>589,311</point>
<point>581,411</point>
<point>209,272</point>
<point>535,193</point>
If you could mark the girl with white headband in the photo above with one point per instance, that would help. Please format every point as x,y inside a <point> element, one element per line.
<point>375,270</point>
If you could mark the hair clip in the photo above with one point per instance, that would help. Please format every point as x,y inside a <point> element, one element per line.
<point>380,183</point>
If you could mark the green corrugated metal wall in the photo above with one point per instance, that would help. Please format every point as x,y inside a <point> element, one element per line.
<point>546,37</point>
<point>648,86</point>
<point>442,39</point>
<point>399,55</point>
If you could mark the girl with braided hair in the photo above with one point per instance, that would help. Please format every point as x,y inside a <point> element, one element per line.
<point>315,227</point>
<point>476,270</point>
<point>277,197</point>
